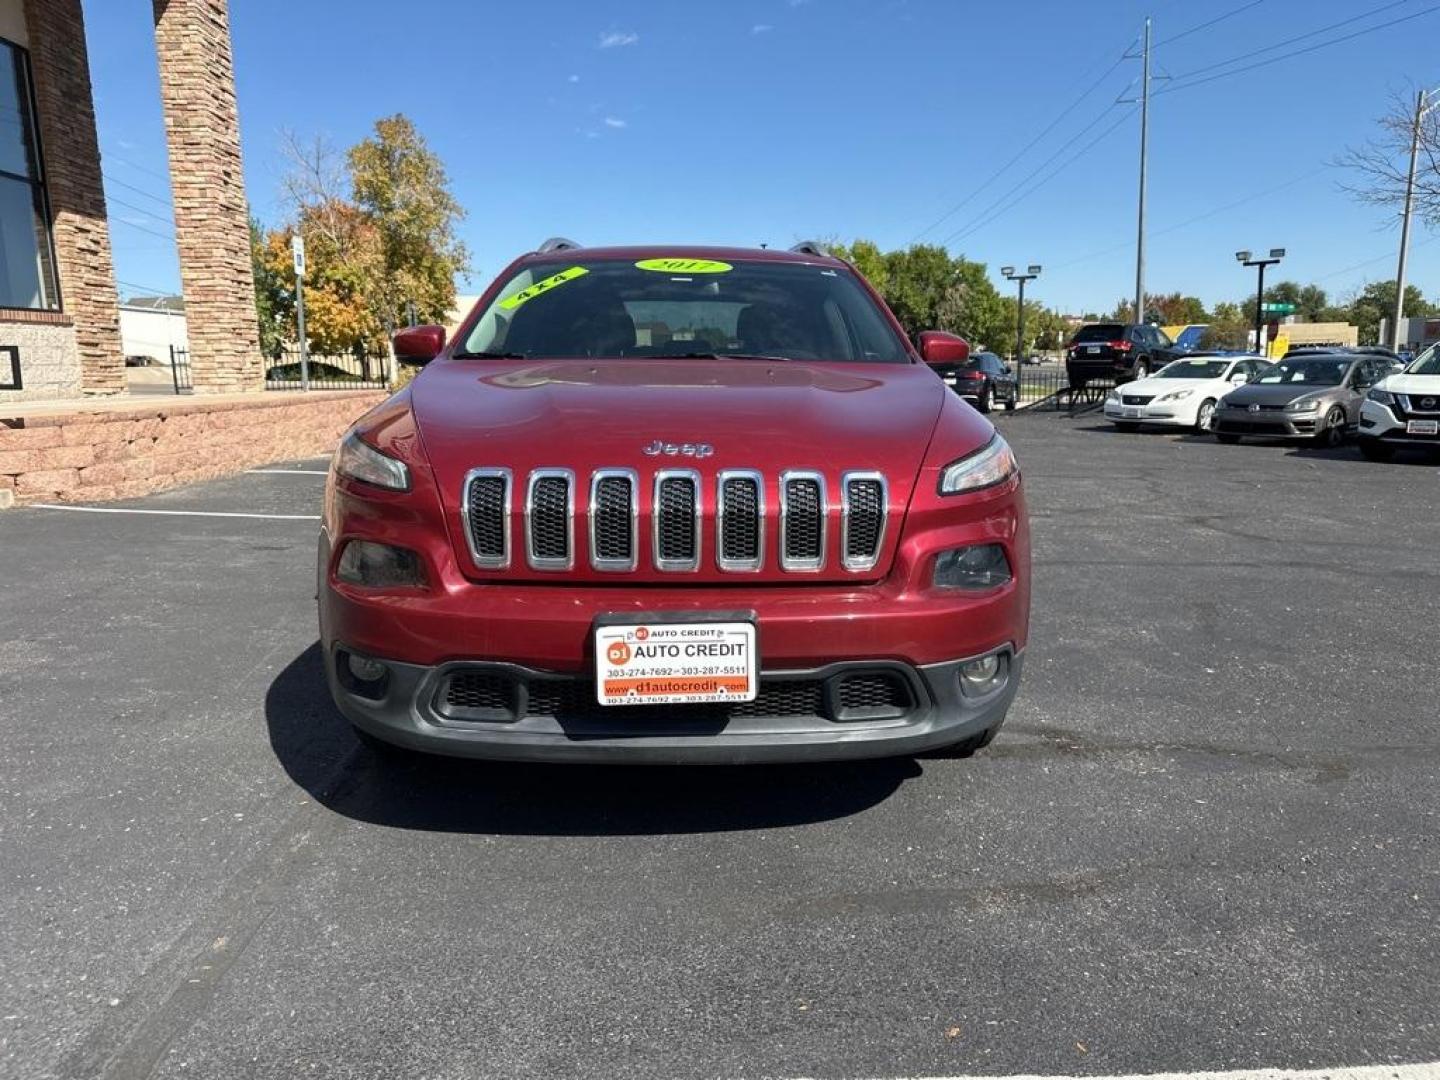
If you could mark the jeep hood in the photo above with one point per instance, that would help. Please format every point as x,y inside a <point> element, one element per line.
<point>588,414</point>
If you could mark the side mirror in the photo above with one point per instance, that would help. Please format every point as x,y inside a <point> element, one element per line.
<point>419,345</point>
<point>1239,380</point>
<point>939,349</point>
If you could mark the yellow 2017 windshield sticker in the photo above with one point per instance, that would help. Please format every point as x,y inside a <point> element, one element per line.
<point>685,266</point>
<point>510,303</point>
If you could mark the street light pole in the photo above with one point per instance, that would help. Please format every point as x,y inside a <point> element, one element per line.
<point>1243,257</point>
<point>1031,273</point>
<point>1422,106</point>
<point>1144,149</point>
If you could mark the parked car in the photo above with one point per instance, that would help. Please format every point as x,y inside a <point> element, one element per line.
<point>790,542</point>
<point>1118,352</point>
<point>1315,396</point>
<point>1403,410</point>
<point>984,379</point>
<point>1182,394</point>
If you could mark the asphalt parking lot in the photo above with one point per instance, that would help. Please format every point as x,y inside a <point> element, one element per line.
<point>1207,838</point>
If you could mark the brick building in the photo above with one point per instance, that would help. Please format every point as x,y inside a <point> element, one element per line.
<point>59,310</point>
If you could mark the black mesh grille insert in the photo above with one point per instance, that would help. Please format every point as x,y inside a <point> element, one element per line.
<point>675,519</point>
<point>473,691</point>
<point>550,518</point>
<point>803,524</point>
<point>614,527</point>
<point>879,691</point>
<point>740,520</point>
<point>575,699</point>
<point>867,517</point>
<point>487,516</point>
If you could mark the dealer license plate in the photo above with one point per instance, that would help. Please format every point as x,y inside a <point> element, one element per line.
<point>1423,427</point>
<point>1132,414</point>
<point>675,663</point>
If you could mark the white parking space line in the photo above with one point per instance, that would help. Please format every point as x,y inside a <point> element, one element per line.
<point>287,472</point>
<point>1420,1071</point>
<point>172,513</point>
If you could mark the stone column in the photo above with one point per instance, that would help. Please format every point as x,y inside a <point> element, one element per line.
<point>66,117</point>
<point>212,225</point>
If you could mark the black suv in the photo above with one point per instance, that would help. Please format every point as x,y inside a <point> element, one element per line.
<point>1117,352</point>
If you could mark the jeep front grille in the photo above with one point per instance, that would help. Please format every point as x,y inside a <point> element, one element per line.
<point>618,525</point>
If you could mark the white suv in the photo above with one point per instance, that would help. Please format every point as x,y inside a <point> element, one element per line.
<point>1403,410</point>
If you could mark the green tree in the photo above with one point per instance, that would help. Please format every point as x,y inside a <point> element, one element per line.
<point>1377,301</point>
<point>1229,327</point>
<point>400,186</point>
<point>274,296</point>
<point>1309,300</point>
<point>865,256</point>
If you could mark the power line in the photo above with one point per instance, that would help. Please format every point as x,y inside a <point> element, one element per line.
<point>141,228</point>
<point>1206,25</point>
<point>156,289</point>
<point>142,168</point>
<point>137,190</point>
<point>1025,149</point>
<point>1181,84</point>
<point>1372,262</point>
<point>1001,210</point>
<point>139,210</point>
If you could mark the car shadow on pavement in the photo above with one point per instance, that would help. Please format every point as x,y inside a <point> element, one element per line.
<point>318,750</point>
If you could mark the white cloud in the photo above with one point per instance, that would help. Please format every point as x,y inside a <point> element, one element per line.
<point>573,79</point>
<point>614,122</point>
<point>615,39</point>
<point>761,28</point>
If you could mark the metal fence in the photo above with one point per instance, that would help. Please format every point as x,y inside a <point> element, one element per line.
<point>353,371</point>
<point>1047,386</point>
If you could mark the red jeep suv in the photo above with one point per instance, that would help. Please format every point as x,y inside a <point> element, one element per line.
<point>665,504</point>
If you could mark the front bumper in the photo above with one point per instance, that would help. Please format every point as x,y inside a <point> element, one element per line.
<point>1380,422</point>
<point>547,716</point>
<point>1150,414</point>
<point>1268,423</point>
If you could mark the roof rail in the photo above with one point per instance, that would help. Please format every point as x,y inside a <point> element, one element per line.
<point>810,247</point>
<point>556,243</point>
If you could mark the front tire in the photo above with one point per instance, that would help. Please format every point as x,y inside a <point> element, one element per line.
<point>1142,369</point>
<point>1375,450</point>
<point>1010,405</point>
<point>983,401</point>
<point>1332,432</point>
<point>1205,416</point>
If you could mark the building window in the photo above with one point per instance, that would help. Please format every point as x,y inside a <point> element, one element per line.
<point>27,268</point>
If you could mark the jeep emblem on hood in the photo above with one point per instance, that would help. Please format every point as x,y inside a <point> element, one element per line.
<point>670,449</point>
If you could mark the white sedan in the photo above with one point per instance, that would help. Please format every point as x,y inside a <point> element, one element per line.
<point>1183,393</point>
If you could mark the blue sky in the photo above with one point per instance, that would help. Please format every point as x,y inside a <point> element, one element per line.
<point>755,121</point>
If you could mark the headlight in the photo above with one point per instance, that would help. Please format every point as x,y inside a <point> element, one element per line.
<point>1113,395</point>
<point>991,465</point>
<point>358,461</point>
<point>1384,397</point>
<point>1303,405</point>
<point>1177,395</point>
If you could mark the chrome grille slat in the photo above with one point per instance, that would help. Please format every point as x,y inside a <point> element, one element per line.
<point>740,520</point>
<point>803,512</point>
<point>614,519</point>
<point>675,520</point>
<point>549,514</point>
<point>864,497</point>
<point>485,512</point>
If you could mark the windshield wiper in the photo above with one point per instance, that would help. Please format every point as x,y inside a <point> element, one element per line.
<point>482,355</point>
<point>719,356</point>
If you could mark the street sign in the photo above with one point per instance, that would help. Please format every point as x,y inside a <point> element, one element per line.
<point>297,247</point>
<point>1278,309</point>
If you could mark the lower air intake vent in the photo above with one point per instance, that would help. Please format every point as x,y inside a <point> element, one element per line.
<point>873,696</point>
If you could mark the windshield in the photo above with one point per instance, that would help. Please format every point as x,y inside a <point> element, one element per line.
<point>1311,371</point>
<point>698,308</point>
<point>1100,332</point>
<point>1194,369</point>
<point>1427,363</point>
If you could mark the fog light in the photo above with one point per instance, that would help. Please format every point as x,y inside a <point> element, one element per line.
<point>364,669</point>
<point>982,566</point>
<point>380,566</point>
<point>985,675</point>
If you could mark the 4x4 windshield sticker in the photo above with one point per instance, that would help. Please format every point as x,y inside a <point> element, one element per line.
<point>510,303</point>
<point>685,266</point>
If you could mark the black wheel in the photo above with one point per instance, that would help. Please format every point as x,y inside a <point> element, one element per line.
<point>1142,369</point>
<point>1205,415</point>
<point>1010,404</point>
<point>1375,450</point>
<point>1331,431</point>
<point>983,401</point>
<point>1229,440</point>
<point>1126,426</point>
